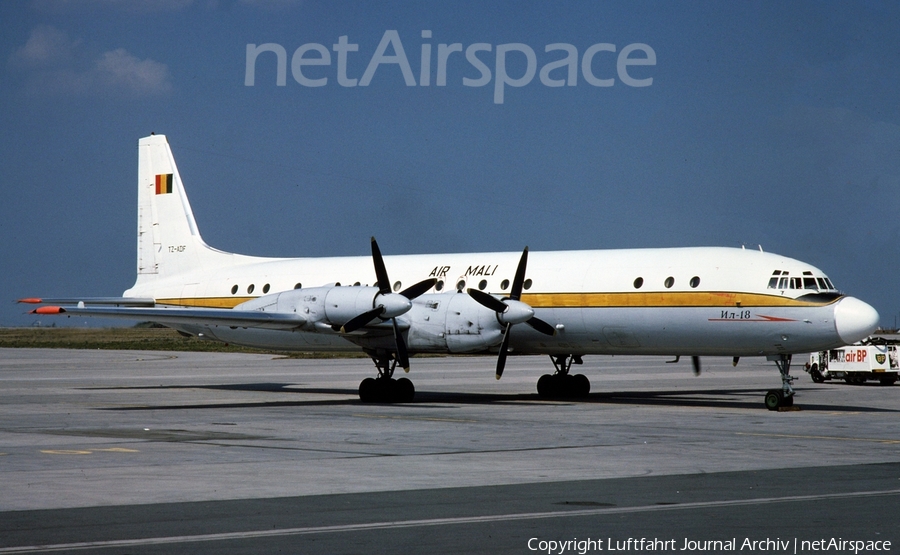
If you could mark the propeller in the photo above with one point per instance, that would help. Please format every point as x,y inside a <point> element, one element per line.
<point>389,305</point>
<point>511,311</point>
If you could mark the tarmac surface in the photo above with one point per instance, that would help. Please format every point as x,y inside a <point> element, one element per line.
<point>153,452</point>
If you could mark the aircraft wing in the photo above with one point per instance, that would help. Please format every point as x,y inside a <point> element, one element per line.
<point>181,315</point>
<point>103,301</point>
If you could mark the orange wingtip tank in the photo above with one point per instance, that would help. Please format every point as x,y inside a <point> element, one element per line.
<point>49,310</point>
<point>31,300</point>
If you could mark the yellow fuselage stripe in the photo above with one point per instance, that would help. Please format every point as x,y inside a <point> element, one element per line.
<point>656,299</point>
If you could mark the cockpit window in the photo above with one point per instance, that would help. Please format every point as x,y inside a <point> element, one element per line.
<point>781,279</point>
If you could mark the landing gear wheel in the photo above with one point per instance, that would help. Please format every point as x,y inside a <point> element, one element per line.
<point>774,399</point>
<point>546,386</point>
<point>386,390</point>
<point>563,386</point>
<point>404,391</point>
<point>582,385</point>
<point>368,390</point>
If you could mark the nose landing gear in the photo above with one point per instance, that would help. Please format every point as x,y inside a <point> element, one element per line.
<point>784,397</point>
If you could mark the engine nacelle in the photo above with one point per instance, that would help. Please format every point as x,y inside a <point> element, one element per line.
<point>451,322</point>
<point>332,305</point>
<point>446,322</point>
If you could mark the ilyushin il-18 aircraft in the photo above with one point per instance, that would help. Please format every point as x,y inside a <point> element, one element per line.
<point>691,302</point>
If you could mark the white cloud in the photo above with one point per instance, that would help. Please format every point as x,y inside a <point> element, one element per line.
<point>46,46</point>
<point>57,65</point>
<point>118,68</point>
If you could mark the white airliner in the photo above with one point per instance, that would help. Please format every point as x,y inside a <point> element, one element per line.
<point>703,301</point>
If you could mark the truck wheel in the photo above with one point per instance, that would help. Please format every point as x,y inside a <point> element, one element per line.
<point>815,374</point>
<point>888,380</point>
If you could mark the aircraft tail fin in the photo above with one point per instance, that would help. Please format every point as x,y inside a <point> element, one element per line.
<point>169,242</point>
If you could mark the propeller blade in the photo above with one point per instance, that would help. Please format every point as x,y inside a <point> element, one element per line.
<point>414,291</point>
<point>359,321</point>
<point>402,354</point>
<point>501,359</point>
<point>541,326</point>
<point>384,283</point>
<point>519,280</point>
<point>696,361</point>
<point>488,301</point>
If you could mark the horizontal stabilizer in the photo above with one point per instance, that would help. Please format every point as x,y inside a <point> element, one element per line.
<point>197,316</point>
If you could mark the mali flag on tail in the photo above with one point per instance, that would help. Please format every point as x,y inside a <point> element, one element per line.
<point>163,183</point>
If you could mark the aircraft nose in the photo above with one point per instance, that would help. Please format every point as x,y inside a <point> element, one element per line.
<point>854,320</point>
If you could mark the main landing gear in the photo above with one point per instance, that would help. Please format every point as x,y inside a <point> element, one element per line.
<point>384,388</point>
<point>562,384</point>
<point>784,397</point>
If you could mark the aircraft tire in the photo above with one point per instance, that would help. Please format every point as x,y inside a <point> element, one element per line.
<point>368,390</point>
<point>581,386</point>
<point>403,391</point>
<point>774,399</point>
<point>563,386</point>
<point>546,386</point>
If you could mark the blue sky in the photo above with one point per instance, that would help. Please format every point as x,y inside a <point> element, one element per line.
<point>766,123</point>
